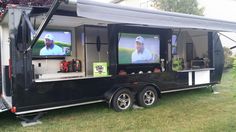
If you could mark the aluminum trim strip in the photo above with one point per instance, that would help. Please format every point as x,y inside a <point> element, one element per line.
<point>58,107</point>
<point>184,89</point>
<point>67,79</point>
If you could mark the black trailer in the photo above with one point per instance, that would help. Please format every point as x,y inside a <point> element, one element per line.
<point>101,60</point>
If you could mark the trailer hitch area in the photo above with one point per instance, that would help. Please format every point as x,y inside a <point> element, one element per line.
<point>31,119</point>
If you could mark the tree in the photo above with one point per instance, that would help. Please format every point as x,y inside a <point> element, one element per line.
<point>31,2</point>
<point>4,3</point>
<point>181,6</point>
<point>228,58</point>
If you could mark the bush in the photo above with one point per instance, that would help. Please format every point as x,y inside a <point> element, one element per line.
<point>234,67</point>
<point>229,62</point>
<point>228,58</point>
<point>177,64</point>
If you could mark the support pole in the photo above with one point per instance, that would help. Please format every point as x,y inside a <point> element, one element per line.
<point>52,10</point>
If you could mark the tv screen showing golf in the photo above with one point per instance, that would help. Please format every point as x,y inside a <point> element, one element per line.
<point>53,43</point>
<point>138,48</point>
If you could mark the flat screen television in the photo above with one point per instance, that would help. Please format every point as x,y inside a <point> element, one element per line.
<point>138,48</point>
<point>174,44</point>
<point>53,44</point>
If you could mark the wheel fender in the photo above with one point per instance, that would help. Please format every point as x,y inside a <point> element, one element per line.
<point>156,87</point>
<point>110,94</point>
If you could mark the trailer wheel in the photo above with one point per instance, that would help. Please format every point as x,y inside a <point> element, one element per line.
<point>147,97</point>
<point>122,100</point>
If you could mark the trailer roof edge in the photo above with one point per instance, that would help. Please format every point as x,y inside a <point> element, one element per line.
<point>123,14</point>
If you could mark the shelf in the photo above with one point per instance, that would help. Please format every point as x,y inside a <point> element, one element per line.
<point>62,75</point>
<point>200,69</point>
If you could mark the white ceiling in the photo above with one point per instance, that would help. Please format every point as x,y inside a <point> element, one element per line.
<point>68,21</point>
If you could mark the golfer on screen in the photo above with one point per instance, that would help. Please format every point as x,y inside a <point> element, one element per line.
<point>141,54</point>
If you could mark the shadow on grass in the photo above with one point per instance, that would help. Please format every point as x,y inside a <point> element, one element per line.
<point>8,119</point>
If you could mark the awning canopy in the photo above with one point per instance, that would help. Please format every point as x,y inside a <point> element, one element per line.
<point>127,15</point>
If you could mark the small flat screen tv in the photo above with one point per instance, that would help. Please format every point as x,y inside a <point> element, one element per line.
<point>53,43</point>
<point>174,44</point>
<point>138,48</point>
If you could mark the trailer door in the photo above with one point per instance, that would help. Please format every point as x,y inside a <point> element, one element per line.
<point>2,103</point>
<point>0,68</point>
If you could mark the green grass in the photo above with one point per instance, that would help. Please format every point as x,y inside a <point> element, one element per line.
<point>195,110</point>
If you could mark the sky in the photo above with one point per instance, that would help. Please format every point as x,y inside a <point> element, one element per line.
<point>217,9</point>
<point>220,9</point>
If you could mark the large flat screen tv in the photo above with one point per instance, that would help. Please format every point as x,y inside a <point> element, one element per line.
<point>53,43</point>
<point>138,48</point>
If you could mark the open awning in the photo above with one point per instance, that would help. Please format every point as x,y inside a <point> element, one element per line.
<point>128,15</point>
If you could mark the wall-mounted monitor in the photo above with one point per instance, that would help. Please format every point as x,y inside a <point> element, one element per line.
<point>174,44</point>
<point>53,43</point>
<point>138,48</point>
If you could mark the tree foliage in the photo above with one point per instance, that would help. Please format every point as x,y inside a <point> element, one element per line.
<point>228,58</point>
<point>30,2</point>
<point>234,67</point>
<point>181,6</point>
<point>4,3</point>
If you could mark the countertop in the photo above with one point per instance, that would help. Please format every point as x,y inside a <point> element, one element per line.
<point>200,69</point>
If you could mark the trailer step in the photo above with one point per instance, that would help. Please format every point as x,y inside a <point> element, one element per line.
<point>2,106</point>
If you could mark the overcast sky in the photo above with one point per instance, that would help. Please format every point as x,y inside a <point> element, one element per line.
<point>219,9</point>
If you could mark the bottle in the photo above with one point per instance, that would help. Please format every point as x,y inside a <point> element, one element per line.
<point>78,65</point>
<point>62,64</point>
<point>162,65</point>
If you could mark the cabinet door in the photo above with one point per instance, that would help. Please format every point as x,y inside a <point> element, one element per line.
<point>189,51</point>
<point>93,56</point>
<point>91,34</point>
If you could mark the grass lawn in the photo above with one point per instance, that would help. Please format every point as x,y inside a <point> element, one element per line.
<point>195,110</point>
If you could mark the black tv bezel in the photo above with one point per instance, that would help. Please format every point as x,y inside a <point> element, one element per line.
<point>163,33</point>
<point>38,57</point>
<point>137,63</point>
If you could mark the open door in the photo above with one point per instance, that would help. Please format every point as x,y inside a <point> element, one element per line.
<point>96,46</point>
<point>2,104</point>
<point>217,57</point>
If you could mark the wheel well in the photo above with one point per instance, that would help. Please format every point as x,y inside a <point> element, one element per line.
<point>110,94</point>
<point>155,86</point>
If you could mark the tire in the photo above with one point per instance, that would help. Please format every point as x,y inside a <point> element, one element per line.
<point>147,97</point>
<point>122,100</point>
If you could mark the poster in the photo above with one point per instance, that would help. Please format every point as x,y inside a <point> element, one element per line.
<point>100,69</point>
